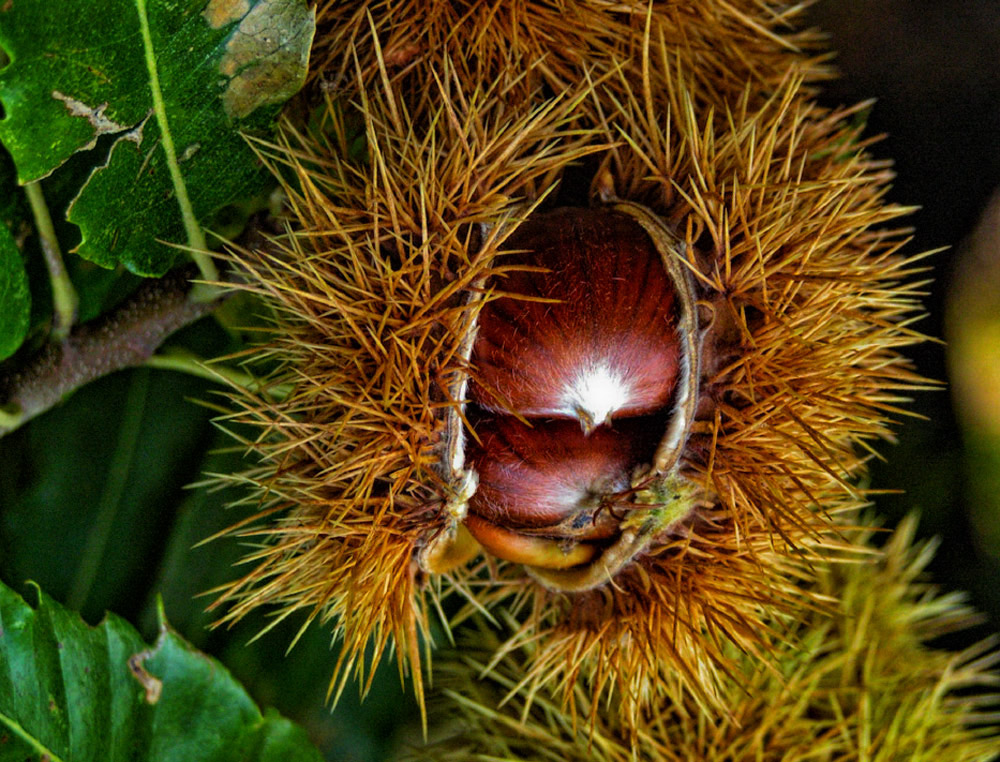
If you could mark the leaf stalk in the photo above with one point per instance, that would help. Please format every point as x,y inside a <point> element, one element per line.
<point>183,361</point>
<point>65,300</point>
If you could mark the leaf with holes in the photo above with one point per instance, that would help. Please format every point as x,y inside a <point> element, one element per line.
<point>69,691</point>
<point>160,92</point>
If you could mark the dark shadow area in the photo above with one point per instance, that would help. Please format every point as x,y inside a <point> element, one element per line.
<point>934,68</point>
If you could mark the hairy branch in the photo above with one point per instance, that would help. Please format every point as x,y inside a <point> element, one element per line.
<point>124,338</point>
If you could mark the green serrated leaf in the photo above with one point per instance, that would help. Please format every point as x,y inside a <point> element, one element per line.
<point>15,298</point>
<point>174,83</point>
<point>74,693</point>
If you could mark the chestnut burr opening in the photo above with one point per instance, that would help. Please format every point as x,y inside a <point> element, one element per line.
<point>582,390</point>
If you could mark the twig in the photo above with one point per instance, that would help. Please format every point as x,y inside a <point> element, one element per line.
<point>124,338</point>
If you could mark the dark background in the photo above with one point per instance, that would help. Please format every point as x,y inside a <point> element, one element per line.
<point>934,67</point>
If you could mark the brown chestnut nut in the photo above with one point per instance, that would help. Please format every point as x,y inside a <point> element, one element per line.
<point>583,386</point>
<point>590,333</point>
<point>551,473</point>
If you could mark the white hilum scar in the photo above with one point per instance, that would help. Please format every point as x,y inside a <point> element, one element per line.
<point>594,394</point>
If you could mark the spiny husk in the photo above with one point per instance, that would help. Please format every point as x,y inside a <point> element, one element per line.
<point>369,295</point>
<point>809,305</point>
<point>729,44</point>
<point>469,114</point>
<point>861,684</point>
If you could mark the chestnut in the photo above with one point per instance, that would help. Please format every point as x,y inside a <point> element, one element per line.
<point>589,333</point>
<point>582,390</point>
<point>550,472</point>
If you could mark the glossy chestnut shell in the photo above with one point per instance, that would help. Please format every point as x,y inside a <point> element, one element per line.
<point>551,472</point>
<point>590,333</point>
